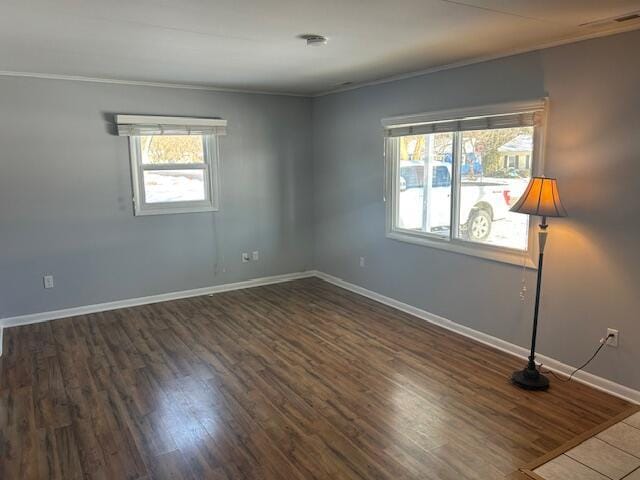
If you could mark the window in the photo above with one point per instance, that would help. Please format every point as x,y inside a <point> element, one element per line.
<point>173,163</point>
<point>453,176</point>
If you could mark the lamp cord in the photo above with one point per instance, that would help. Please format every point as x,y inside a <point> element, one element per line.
<point>603,342</point>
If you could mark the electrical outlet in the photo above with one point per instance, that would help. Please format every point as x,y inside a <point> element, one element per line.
<point>362,262</point>
<point>255,255</point>
<point>47,280</point>
<point>245,257</point>
<point>613,341</point>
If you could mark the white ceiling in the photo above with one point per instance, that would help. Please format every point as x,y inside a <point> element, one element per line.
<point>252,44</point>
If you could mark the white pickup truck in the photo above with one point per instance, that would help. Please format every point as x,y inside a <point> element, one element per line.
<point>481,202</point>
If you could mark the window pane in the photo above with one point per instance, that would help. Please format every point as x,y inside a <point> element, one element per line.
<point>424,183</point>
<point>174,186</point>
<point>495,168</point>
<point>157,149</point>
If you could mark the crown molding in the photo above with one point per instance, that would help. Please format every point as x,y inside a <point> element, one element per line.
<point>487,58</point>
<point>140,83</point>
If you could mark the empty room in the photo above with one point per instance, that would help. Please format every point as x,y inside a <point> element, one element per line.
<point>295,240</point>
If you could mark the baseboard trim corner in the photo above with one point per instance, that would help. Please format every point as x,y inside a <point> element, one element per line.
<point>134,302</point>
<point>594,381</point>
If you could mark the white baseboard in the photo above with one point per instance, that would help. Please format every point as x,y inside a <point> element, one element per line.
<point>133,302</point>
<point>587,378</point>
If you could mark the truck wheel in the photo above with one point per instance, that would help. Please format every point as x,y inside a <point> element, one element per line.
<point>479,225</point>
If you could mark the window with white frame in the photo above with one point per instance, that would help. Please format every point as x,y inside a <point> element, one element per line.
<point>174,162</point>
<point>452,177</point>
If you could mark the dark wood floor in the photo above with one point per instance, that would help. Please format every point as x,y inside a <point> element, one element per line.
<point>301,380</point>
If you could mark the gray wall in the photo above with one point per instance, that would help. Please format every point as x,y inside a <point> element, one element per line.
<point>65,195</point>
<point>592,274</point>
<point>65,198</point>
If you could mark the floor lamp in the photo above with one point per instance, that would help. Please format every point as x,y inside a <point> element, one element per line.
<point>540,198</point>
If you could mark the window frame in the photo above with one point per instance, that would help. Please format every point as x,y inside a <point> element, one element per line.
<point>452,243</point>
<point>210,168</point>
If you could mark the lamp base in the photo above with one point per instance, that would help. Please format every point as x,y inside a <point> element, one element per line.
<point>530,379</point>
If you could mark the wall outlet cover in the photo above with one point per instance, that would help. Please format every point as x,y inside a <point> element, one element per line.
<point>47,280</point>
<point>613,341</point>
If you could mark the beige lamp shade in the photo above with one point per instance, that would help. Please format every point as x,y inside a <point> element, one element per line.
<point>541,198</point>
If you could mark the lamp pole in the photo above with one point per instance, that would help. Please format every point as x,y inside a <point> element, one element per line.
<point>531,378</point>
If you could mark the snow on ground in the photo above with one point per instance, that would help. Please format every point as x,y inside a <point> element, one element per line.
<point>511,231</point>
<point>174,186</point>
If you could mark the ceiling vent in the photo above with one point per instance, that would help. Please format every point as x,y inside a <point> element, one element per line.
<point>313,39</point>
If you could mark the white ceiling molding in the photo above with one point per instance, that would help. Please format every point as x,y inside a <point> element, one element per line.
<point>139,83</point>
<point>450,66</point>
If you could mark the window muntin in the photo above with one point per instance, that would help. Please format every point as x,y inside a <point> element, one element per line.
<point>489,169</point>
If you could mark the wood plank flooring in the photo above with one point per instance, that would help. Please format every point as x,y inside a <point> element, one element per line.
<point>301,380</point>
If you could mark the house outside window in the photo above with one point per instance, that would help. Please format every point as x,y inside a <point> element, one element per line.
<point>517,152</point>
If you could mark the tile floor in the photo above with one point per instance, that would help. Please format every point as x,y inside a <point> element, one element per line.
<point>613,454</point>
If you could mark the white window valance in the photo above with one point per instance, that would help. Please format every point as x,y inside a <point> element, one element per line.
<point>132,125</point>
<point>523,114</point>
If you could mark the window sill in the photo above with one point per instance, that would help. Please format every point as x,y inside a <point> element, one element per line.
<point>169,210</point>
<point>497,254</point>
